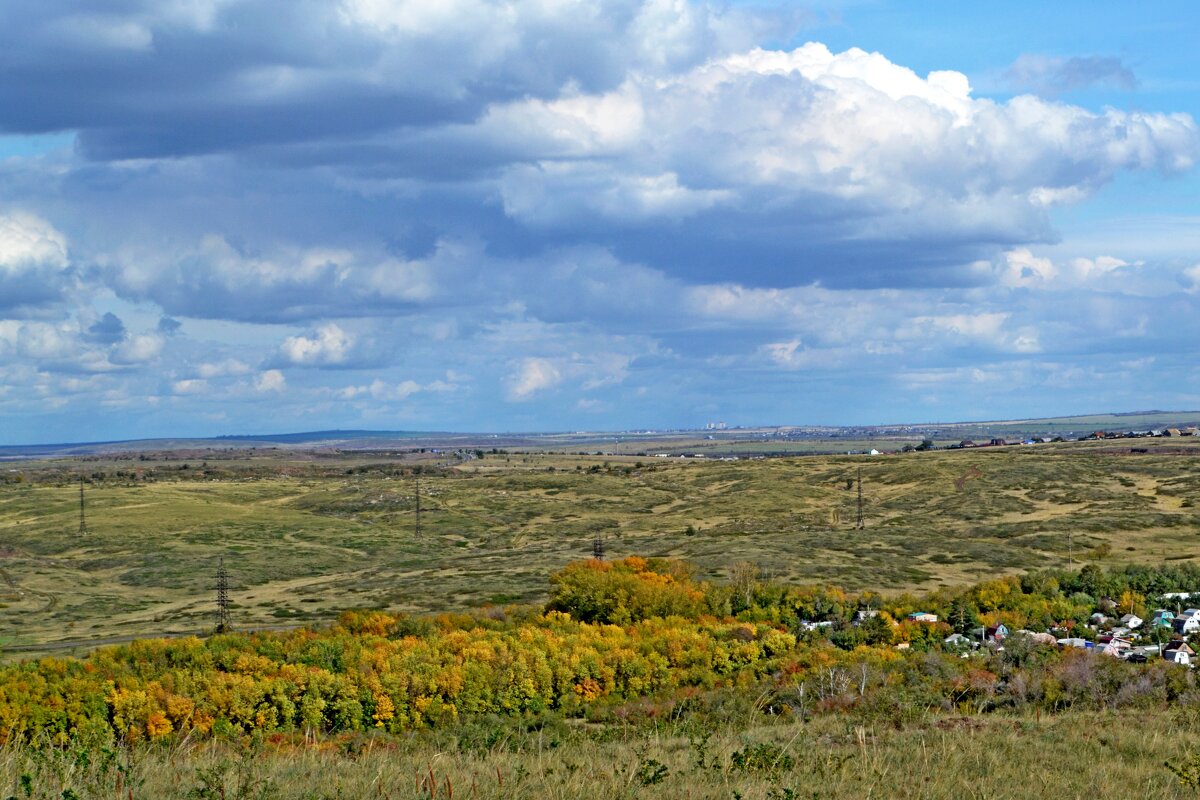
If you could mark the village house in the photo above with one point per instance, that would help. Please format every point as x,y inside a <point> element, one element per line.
<point>805,625</point>
<point>1075,641</point>
<point>1114,645</point>
<point>993,633</point>
<point>1132,621</point>
<point>1162,618</point>
<point>1178,653</point>
<point>922,616</point>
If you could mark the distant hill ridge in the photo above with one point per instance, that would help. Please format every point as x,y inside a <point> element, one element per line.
<point>364,439</point>
<point>314,436</point>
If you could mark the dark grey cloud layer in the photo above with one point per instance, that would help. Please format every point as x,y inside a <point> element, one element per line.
<point>155,79</point>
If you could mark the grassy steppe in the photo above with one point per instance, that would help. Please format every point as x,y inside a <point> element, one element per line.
<point>1092,755</point>
<point>303,544</point>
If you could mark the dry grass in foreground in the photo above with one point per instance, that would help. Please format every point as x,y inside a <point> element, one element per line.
<point>1072,755</point>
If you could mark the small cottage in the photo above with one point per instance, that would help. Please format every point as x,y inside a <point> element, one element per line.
<point>993,633</point>
<point>1162,618</point>
<point>957,641</point>
<point>1119,643</point>
<point>1178,653</point>
<point>1075,641</point>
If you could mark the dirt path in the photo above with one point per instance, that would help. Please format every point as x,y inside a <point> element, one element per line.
<point>11,582</point>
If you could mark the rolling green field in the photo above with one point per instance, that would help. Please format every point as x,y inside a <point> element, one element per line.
<point>306,537</point>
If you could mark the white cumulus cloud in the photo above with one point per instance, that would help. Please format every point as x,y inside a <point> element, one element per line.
<point>531,376</point>
<point>865,147</point>
<point>189,386</point>
<point>33,261</point>
<point>382,390</point>
<point>271,380</point>
<point>217,369</point>
<point>138,349</point>
<point>328,345</point>
<point>27,240</point>
<point>1192,274</point>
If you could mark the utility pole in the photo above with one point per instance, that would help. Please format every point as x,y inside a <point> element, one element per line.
<point>861,523</point>
<point>1070,549</point>
<point>83,528</point>
<point>417,494</point>
<point>222,597</point>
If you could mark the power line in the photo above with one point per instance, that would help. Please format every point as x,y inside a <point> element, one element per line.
<point>222,597</point>
<point>861,522</point>
<point>83,528</point>
<point>417,494</point>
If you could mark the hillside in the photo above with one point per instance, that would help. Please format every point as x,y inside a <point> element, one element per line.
<point>758,440</point>
<point>306,536</point>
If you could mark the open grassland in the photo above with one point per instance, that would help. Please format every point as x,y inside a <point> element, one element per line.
<point>305,538</point>
<point>1093,755</point>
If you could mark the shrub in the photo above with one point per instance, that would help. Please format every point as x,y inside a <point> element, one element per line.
<point>762,757</point>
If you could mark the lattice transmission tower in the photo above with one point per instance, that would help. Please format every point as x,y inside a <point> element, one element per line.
<point>861,521</point>
<point>417,495</point>
<point>222,597</point>
<point>83,528</point>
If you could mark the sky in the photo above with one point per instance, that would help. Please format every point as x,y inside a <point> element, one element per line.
<point>245,216</point>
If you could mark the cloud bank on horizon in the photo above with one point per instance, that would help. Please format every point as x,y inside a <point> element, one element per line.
<point>230,216</point>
